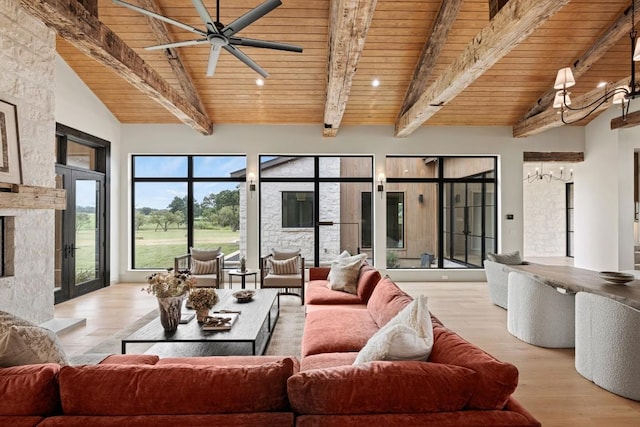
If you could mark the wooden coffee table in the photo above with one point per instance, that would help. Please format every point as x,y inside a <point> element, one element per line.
<point>250,333</point>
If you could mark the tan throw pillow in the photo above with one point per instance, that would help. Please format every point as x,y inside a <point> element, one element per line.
<point>203,267</point>
<point>283,255</point>
<point>205,254</point>
<point>344,273</point>
<point>28,345</point>
<point>282,267</point>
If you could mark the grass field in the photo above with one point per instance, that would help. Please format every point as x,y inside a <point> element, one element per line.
<point>153,249</point>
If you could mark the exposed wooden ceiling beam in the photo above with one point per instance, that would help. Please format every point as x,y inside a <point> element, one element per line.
<point>620,28</point>
<point>630,120</point>
<point>513,24</point>
<point>447,15</point>
<point>78,26</point>
<point>553,156</point>
<point>348,27</point>
<point>161,32</point>
<point>550,118</point>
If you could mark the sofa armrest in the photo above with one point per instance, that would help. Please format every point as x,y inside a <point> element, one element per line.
<point>319,273</point>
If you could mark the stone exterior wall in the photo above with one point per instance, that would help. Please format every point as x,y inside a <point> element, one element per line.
<point>545,227</point>
<point>27,79</point>
<point>274,236</point>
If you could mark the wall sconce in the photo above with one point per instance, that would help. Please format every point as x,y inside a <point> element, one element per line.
<point>252,181</point>
<point>420,198</point>
<point>380,182</point>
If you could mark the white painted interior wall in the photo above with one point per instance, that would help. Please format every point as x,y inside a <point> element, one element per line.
<point>79,108</point>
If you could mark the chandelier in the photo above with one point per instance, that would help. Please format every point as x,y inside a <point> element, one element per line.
<point>621,95</point>
<point>540,175</point>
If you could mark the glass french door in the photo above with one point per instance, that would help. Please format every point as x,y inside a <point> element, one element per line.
<point>80,234</point>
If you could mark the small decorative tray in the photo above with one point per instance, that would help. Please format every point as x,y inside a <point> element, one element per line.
<point>244,295</point>
<point>616,278</point>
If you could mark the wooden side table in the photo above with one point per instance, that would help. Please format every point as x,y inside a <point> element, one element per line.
<point>243,277</point>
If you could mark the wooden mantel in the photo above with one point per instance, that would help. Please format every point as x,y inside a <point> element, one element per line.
<point>16,196</point>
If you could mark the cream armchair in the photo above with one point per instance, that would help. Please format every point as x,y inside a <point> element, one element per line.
<point>283,270</point>
<point>206,266</point>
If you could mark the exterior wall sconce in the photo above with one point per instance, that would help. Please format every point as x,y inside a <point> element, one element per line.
<point>381,182</point>
<point>252,181</point>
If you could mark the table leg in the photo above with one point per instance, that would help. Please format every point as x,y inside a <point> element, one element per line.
<point>244,278</point>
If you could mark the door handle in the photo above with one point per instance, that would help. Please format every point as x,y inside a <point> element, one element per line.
<point>69,250</point>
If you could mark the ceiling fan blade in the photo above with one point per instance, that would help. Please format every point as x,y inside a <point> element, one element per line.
<point>243,41</point>
<point>214,53</point>
<point>160,17</point>
<point>177,44</point>
<point>250,17</point>
<point>204,15</point>
<point>248,61</point>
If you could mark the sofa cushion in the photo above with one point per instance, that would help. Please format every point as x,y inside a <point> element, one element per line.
<point>327,360</point>
<point>280,255</point>
<point>509,258</point>
<point>382,387</point>
<point>386,301</point>
<point>174,389</point>
<point>317,292</point>
<point>284,266</point>
<point>130,359</point>
<point>367,281</point>
<point>247,419</point>
<point>203,267</point>
<point>25,343</point>
<point>29,390</point>
<point>205,254</point>
<point>336,330</point>
<point>496,380</point>
<point>408,336</point>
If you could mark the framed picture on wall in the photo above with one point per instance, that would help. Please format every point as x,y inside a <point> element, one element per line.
<point>9,145</point>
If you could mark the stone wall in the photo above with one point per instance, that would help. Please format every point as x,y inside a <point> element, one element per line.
<point>27,79</point>
<point>545,212</point>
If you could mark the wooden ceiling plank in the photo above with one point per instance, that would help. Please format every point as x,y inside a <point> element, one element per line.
<point>513,24</point>
<point>161,32</point>
<point>348,27</point>
<point>447,15</point>
<point>550,118</point>
<point>619,29</point>
<point>79,27</point>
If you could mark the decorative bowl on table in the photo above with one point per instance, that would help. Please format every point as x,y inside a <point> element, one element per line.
<point>616,278</point>
<point>244,295</point>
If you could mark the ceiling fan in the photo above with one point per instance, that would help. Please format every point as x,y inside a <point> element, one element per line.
<point>220,36</point>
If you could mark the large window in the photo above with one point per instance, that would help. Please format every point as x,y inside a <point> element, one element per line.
<point>570,223</point>
<point>441,211</point>
<point>186,201</point>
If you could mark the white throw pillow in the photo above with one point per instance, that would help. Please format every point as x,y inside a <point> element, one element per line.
<point>343,254</point>
<point>205,254</point>
<point>344,273</point>
<point>285,266</point>
<point>408,336</point>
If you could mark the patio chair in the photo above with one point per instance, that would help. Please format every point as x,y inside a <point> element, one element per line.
<point>283,270</point>
<point>206,265</point>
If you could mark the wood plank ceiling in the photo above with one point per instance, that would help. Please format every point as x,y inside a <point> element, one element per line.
<point>295,92</point>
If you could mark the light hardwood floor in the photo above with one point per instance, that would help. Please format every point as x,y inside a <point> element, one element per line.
<point>549,385</point>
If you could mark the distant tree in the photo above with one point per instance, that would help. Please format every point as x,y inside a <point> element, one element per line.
<point>140,220</point>
<point>82,220</point>
<point>178,204</point>
<point>162,219</point>
<point>228,216</point>
<point>146,211</point>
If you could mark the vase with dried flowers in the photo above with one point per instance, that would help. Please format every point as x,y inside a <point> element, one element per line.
<point>170,289</point>
<point>202,299</point>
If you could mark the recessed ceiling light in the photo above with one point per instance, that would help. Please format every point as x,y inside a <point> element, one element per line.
<point>602,84</point>
<point>259,82</point>
<point>375,82</point>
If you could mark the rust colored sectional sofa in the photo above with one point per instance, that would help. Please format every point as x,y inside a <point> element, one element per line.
<point>460,385</point>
